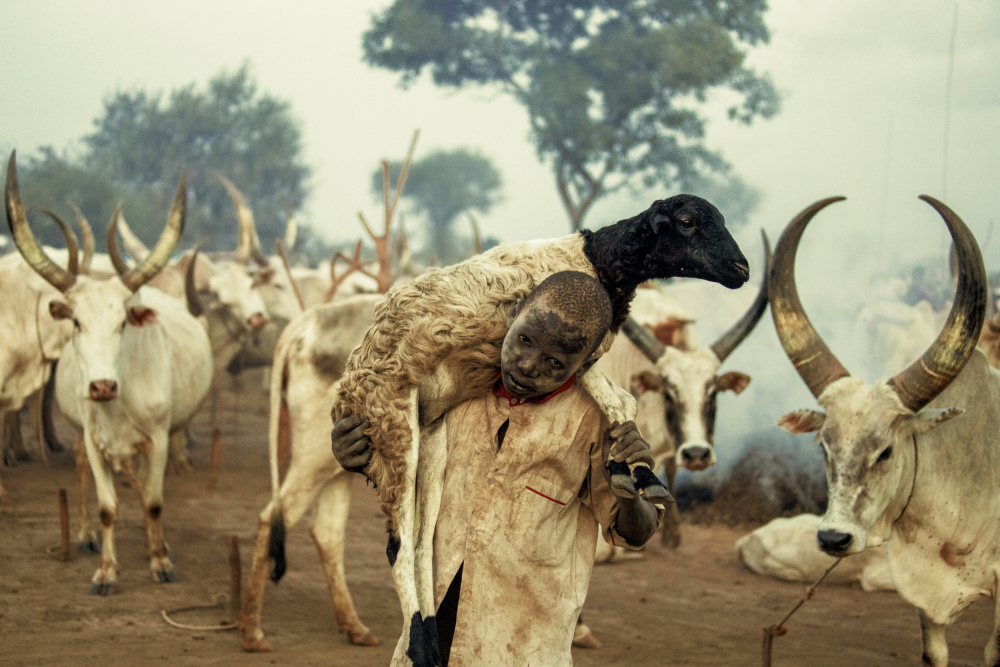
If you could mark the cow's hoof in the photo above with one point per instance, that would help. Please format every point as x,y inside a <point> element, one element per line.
<point>365,638</point>
<point>89,547</point>
<point>584,638</point>
<point>104,589</point>
<point>255,645</point>
<point>165,577</point>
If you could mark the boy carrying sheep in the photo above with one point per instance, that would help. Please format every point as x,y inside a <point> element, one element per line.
<point>526,486</point>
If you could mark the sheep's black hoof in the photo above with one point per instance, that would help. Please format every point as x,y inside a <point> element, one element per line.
<point>652,488</point>
<point>423,650</point>
<point>621,480</point>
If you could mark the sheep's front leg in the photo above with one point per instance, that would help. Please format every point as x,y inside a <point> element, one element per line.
<point>619,406</point>
<point>935,645</point>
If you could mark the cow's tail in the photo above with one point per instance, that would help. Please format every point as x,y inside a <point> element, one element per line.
<point>279,442</point>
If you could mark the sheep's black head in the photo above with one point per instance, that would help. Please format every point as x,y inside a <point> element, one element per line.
<point>690,239</point>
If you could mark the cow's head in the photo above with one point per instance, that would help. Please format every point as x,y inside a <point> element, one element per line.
<point>868,432</point>
<point>238,296</point>
<point>100,310</point>
<point>690,239</point>
<point>689,380</point>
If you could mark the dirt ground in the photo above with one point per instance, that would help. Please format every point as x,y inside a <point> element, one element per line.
<point>693,606</point>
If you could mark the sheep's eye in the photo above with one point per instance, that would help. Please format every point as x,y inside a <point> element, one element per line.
<point>686,224</point>
<point>884,456</point>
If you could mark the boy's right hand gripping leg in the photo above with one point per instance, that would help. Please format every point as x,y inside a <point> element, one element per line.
<point>351,447</point>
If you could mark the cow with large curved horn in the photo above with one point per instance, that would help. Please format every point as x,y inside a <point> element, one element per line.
<point>132,377</point>
<point>676,384</point>
<point>901,467</point>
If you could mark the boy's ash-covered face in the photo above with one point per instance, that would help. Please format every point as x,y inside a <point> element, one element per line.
<point>541,351</point>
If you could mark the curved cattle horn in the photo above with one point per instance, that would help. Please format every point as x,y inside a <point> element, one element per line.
<point>112,242</point>
<point>291,228</point>
<point>164,248</point>
<point>25,241</point>
<point>730,340</point>
<point>72,249</point>
<point>194,304</point>
<point>87,234</point>
<point>642,339</point>
<point>249,247</point>
<point>808,353</point>
<point>944,359</point>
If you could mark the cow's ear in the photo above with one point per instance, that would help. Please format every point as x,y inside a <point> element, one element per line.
<point>263,277</point>
<point>802,421</point>
<point>60,310</point>
<point>733,381</point>
<point>926,420</point>
<point>647,380</point>
<point>140,316</point>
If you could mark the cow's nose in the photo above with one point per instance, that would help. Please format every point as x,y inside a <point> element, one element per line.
<point>103,390</point>
<point>834,542</point>
<point>696,457</point>
<point>256,321</point>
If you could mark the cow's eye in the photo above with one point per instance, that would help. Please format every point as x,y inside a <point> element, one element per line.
<point>884,456</point>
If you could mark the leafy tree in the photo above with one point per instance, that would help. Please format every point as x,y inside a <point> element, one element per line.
<point>611,86</point>
<point>145,140</point>
<point>443,185</point>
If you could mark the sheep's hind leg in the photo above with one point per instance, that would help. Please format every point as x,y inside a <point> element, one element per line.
<point>430,483</point>
<point>412,643</point>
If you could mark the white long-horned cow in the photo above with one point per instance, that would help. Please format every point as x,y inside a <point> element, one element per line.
<point>309,359</point>
<point>436,342</point>
<point>32,341</point>
<point>134,373</point>
<point>913,461</point>
<point>676,389</point>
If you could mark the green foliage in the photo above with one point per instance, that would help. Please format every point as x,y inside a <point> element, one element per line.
<point>442,186</point>
<point>611,86</point>
<point>144,141</point>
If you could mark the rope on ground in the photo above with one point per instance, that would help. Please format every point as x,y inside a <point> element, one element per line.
<point>219,601</point>
<point>779,630</point>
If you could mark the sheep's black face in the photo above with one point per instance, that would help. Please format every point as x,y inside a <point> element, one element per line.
<point>691,241</point>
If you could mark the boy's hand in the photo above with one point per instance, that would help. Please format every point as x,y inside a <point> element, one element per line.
<point>624,443</point>
<point>351,447</point>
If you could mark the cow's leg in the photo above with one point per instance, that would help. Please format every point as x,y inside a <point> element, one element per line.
<point>86,538</point>
<point>180,459</point>
<point>935,645</point>
<point>13,444</point>
<point>402,558</point>
<point>36,436</point>
<point>992,652</point>
<point>328,535</point>
<point>105,579</point>
<point>583,637</point>
<point>151,487</point>
<point>670,537</point>
<point>430,485</point>
<point>298,492</point>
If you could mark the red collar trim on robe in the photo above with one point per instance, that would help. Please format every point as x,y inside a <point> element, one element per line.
<point>501,391</point>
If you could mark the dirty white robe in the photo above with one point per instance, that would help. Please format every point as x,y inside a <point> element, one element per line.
<point>524,521</point>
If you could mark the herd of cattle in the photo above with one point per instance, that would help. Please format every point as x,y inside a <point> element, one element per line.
<point>913,463</point>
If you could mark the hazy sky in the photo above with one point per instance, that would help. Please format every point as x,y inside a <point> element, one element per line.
<point>863,116</point>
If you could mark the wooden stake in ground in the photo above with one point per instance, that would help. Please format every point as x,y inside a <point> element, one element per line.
<point>779,630</point>
<point>63,524</point>
<point>236,578</point>
<point>213,472</point>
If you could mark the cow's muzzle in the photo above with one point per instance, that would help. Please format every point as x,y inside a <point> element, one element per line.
<point>256,321</point>
<point>103,390</point>
<point>695,457</point>
<point>834,542</point>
